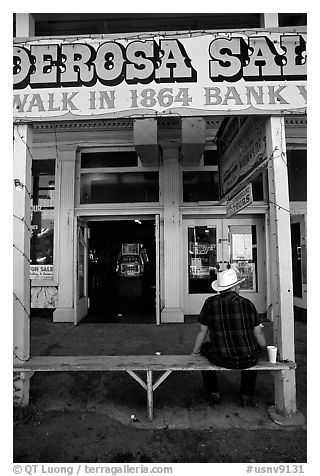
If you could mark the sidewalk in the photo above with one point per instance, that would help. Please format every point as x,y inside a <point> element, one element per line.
<point>178,402</point>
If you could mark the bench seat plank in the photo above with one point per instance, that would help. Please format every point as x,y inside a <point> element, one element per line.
<point>131,362</point>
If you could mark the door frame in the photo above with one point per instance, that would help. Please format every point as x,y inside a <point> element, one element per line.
<point>259,298</point>
<point>192,303</point>
<point>80,304</point>
<point>83,217</point>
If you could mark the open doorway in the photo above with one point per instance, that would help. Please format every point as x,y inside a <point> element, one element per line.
<point>122,271</point>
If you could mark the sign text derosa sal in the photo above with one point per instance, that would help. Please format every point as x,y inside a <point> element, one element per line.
<point>110,63</point>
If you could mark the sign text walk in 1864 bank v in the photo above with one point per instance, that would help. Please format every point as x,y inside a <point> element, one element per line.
<point>209,73</point>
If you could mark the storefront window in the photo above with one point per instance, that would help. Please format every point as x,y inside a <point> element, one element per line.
<point>257,188</point>
<point>243,254</point>
<point>125,187</point>
<point>211,157</point>
<point>42,219</point>
<point>297,175</point>
<point>202,258</point>
<point>90,160</point>
<point>200,186</point>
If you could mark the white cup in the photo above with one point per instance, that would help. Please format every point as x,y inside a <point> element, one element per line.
<point>272,353</point>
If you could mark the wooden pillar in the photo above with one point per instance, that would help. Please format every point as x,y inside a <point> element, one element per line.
<point>269,20</point>
<point>281,263</point>
<point>25,25</point>
<point>21,253</point>
<point>66,179</point>
<point>172,311</point>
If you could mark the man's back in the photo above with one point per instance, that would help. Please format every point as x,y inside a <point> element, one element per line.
<point>231,320</point>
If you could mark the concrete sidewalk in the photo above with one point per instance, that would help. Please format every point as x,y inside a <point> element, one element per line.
<point>178,402</point>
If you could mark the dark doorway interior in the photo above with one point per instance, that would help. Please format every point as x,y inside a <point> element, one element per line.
<point>122,271</point>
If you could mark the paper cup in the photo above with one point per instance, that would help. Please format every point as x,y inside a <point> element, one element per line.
<point>272,353</point>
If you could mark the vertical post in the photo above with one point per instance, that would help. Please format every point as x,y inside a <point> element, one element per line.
<point>66,171</point>
<point>21,252</point>
<point>269,20</point>
<point>281,262</point>
<point>157,238</point>
<point>172,311</point>
<point>25,25</point>
<point>150,394</point>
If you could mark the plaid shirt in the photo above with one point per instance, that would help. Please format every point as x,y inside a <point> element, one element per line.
<point>231,319</point>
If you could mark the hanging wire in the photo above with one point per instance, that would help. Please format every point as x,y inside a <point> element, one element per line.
<point>15,356</point>
<point>21,303</point>
<point>279,206</point>
<point>16,181</point>
<point>25,143</point>
<point>23,254</point>
<point>24,221</point>
<point>19,184</point>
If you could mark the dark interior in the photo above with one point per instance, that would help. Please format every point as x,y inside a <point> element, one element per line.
<point>49,24</point>
<point>114,297</point>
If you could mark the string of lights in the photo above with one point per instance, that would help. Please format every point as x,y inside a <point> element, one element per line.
<point>113,37</point>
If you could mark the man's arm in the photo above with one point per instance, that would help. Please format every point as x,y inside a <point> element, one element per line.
<point>199,339</point>
<point>258,332</point>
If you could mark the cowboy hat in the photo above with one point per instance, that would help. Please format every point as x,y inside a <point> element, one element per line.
<point>226,279</point>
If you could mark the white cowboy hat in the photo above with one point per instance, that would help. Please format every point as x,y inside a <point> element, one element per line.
<point>226,279</point>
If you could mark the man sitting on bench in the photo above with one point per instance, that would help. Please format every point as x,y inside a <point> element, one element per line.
<point>236,336</point>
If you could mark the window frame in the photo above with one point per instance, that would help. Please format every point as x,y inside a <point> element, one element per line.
<point>198,168</point>
<point>54,281</point>
<point>137,168</point>
<point>207,168</point>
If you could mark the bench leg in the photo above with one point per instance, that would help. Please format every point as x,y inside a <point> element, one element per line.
<point>150,394</point>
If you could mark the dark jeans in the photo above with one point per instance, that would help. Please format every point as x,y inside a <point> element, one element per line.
<point>248,377</point>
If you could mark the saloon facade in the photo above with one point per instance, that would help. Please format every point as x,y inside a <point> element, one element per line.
<point>151,162</point>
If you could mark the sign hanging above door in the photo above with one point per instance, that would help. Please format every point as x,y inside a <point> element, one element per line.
<point>240,201</point>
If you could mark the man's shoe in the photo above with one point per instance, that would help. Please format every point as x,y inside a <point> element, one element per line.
<point>247,401</point>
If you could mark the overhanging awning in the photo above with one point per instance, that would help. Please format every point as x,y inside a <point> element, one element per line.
<point>145,138</point>
<point>193,138</point>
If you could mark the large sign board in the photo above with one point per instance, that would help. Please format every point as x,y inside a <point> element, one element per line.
<point>203,74</point>
<point>244,152</point>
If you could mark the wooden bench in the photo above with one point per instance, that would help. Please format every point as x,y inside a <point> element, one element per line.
<point>132,364</point>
